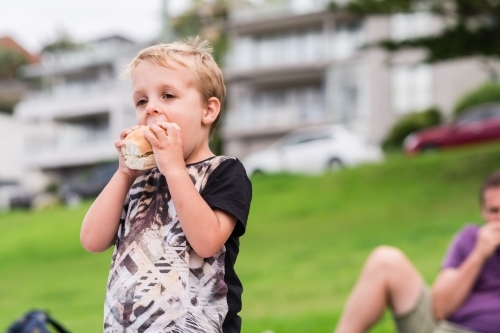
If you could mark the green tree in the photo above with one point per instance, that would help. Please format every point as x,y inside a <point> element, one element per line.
<point>486,93</point>
<point>472,26</point>
<point>62,42</point>
<point>207,19</point>
<point>408,124</point>
<point>10,62</point>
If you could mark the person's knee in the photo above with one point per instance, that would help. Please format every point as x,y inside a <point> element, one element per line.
<point>385,258</point>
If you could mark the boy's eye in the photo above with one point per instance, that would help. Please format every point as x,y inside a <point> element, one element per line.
<point>141,102</point>
<point>168,96</point>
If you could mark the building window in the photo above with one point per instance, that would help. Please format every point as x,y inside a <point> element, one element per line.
<point>281,107</point>
<point>411,88</point>
<point>277,50</point>
<point>314,45</point>
<point>346,40</point>
<point>242,55</point>
<point>348,85</point>
<point>290,48</point>
<point>407,26</point>
<point>307,6</point>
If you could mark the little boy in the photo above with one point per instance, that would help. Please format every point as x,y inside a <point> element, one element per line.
<point>175,227</point>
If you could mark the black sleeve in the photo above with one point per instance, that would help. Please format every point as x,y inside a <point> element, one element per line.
<point>228,188</point>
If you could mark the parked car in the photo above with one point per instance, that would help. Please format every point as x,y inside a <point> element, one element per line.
<point>477,124</point>
<point>14,195</point>
<point>313,150</point>
<point>87,184</point>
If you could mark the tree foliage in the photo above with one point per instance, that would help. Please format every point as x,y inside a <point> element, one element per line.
<point>472,26</point>
<point>453,42</point>
<point>408,124</point>
<point>7,105</point>
<point>207,19</point>
<point>10,61</point>
<point>460,9</point>
<point>62,42</point>
<point>366,7</point>
<point>486,93</point>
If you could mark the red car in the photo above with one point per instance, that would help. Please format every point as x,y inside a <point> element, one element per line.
<point>478,124</point>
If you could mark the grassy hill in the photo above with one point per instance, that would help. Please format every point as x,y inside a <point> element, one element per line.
<point>307,238</point>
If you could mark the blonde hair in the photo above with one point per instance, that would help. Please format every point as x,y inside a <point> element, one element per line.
<point>195,53</point>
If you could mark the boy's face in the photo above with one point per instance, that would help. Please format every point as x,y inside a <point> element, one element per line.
<point>491,205</point>
<point>163,94</point>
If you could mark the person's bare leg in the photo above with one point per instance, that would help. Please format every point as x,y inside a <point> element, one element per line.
<point>388,279</point>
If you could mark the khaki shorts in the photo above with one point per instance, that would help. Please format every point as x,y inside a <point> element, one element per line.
<point>421,320</point>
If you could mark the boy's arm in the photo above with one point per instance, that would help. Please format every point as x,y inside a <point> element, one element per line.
<point>453,285</point>
<point>207,230</point>
<point>100,224</point>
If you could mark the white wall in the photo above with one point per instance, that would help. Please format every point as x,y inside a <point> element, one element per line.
<point>455,78</point>
<point>12,134</point>
<point>11,148</point>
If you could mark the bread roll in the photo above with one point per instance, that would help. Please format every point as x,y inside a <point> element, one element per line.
<point>137,150</point>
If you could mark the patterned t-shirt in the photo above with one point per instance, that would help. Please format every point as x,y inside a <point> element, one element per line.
<point>157,282</point>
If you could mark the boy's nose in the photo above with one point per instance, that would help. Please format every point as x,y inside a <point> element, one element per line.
<point>154,113</point>
<point>152,109</point>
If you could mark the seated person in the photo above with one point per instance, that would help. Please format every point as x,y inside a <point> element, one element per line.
<point>465,296</point>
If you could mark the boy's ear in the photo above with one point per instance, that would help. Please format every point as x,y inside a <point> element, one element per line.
<point>211,111</point>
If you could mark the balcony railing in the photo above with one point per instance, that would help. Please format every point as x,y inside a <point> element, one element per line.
<point>53,138</point>
<point>279,117</point>
<point>295,48</point>
<point>72,100</point>
<point>69,60</point>
<point>69,91</point>
<point>239,14</point>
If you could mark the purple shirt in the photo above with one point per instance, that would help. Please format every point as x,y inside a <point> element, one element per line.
<point>481,310</point>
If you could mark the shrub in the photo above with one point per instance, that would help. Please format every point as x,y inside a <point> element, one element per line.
<point>7,105</point>
<point>486,93</point>
<point>408,124</point>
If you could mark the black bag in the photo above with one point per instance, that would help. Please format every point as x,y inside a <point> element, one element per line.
<point>35,321</point>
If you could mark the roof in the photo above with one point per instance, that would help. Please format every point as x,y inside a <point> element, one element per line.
<point>13,45</point>
<point>114,38</point>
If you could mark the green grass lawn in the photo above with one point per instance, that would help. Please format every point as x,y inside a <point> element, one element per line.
<point>306,240</point>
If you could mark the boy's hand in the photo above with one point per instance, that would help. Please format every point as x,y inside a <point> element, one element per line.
<point>122,167</point>
<point>167,147</point>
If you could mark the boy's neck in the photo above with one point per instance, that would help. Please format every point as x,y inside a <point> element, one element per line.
<point>199,155</point>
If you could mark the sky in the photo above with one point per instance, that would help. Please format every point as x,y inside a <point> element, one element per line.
<point>33,23</point>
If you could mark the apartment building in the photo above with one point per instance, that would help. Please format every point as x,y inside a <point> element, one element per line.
<point>297,63</point>
<point>80,107</point>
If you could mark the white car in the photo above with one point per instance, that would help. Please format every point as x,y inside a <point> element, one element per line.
<point>313,150</point>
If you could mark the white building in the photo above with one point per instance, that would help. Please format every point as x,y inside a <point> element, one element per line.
<point>298,63</point>
<point>81,108</point>
<point>12,145</point>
